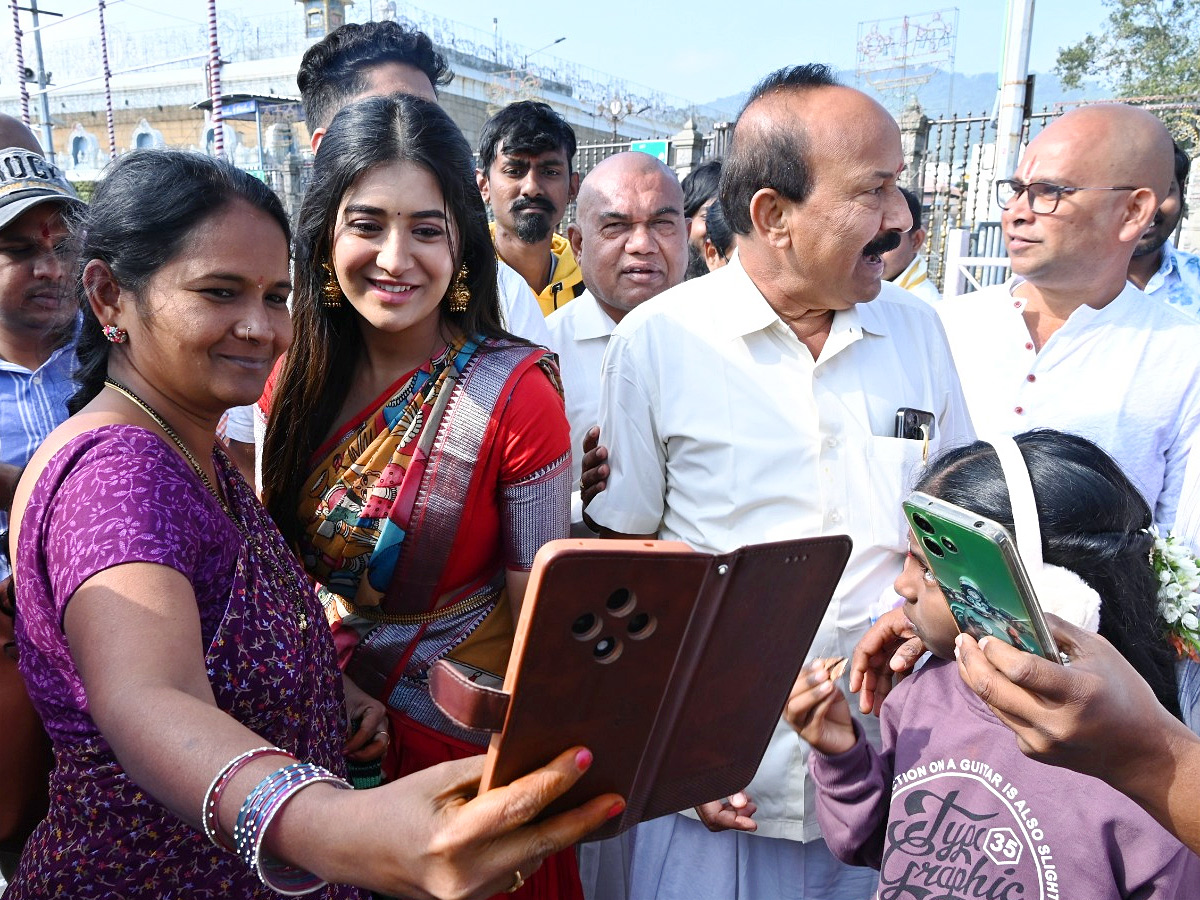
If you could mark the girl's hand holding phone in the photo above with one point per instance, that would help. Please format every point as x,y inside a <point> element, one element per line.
<point>818,710</point>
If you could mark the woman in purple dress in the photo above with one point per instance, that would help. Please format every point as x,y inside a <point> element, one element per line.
<point>170,643</point>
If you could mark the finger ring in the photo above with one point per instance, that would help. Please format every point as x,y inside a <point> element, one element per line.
<point>517,882</point>
<point>386,736</point>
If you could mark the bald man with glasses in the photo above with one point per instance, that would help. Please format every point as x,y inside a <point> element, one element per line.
<point>1068,342</point>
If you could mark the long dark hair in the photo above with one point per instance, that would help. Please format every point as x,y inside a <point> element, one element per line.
<point>328,344</point>
<point>1093,521</point>
<point>138,221</point>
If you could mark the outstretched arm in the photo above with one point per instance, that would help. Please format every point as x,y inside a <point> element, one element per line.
<point>135,635</point>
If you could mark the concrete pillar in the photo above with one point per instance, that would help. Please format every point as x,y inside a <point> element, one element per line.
<point>914,138</point>
<point>687,149</point>
<point>1010,121</point>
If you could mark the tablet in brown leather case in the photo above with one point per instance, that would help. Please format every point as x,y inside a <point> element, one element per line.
<point>672,666</point>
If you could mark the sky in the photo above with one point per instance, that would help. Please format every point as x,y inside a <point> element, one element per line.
<point>698,51</point>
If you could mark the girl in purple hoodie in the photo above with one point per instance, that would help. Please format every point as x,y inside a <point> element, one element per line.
<point>950,808</point>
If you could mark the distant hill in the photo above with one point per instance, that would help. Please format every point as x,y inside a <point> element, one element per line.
<point>946,93</point>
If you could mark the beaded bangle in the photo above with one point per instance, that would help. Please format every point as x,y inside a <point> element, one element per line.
<point>260,808</point>
<point>212,797</point>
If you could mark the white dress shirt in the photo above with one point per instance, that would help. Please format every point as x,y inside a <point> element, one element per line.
<point>723,431</point>
<point>580,333</point>
<point>519,310</point>
<point>1126,376</point>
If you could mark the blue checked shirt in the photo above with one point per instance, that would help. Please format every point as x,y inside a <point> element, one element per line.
<point>32,404</point>
<point>1177,280</point>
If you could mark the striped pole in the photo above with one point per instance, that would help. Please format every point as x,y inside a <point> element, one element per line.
<point>17,36</point>
<point>112,131</point>
<point>214,80</point>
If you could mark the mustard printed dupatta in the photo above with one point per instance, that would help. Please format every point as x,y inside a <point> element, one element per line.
<point>358,502</point>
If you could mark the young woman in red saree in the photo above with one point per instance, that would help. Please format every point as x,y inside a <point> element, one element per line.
<point>416,454</point>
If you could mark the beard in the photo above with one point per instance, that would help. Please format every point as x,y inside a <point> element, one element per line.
<point>532,227</point>
<point>1149,245</point>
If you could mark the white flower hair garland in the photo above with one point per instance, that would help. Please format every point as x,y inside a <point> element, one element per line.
<point>1178,592</point>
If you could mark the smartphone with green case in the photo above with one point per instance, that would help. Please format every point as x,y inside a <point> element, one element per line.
<point>976,564</point>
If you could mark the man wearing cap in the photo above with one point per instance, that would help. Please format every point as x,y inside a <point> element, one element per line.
<point>37,317</point>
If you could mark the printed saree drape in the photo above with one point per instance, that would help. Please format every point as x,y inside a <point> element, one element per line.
<point>383,509</point>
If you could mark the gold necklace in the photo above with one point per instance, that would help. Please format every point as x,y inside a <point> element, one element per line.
<point>175,439</point>
<point>281,576</point>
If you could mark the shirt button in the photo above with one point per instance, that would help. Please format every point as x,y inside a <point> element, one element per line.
<point>1029,345</point>
<point>1031,378</point>
<point>1019,410</point>
<point>835,516</point>
<point>831,442</point>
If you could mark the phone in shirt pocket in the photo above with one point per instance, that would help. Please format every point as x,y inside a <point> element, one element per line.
<point>893,466</point>
<point>914,424</point>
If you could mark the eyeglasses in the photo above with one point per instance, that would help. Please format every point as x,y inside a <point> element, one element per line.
<point>1043,196</point>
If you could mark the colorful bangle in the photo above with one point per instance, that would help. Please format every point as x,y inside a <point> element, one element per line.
<point>212,797</point>
<point>258,811</point>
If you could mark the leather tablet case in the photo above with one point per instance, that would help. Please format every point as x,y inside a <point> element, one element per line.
<point>672,666</point>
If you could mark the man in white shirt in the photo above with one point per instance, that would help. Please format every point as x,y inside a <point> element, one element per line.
<point>759,403</point>
<point>1067,342</point>
<point>525,175</point>
<point>630,238</point>
<point>905,266</point>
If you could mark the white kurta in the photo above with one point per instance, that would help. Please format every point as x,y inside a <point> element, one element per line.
<point>723,431</point>
<point>1126,376</point>
<point>915,279</point>
<point>579,332</point>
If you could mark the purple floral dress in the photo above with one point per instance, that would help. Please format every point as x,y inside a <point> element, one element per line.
<point>116,495</point>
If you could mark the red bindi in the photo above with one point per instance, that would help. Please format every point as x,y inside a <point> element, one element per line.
<point>46,231</point>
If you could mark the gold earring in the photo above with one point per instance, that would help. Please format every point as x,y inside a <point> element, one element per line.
<point>460,294</point>
<point>331,291</point>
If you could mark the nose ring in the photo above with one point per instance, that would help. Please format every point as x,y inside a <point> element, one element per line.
<point>249,328</point>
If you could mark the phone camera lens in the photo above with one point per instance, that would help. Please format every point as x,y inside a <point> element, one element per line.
<point>923,523</point>
<point>606,650</point>
<point>949,545</point>
<point>641,626</point>
<point>932,547</point>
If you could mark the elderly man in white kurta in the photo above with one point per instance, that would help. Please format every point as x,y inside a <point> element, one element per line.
<point>759,403</point>
<point>630,240</point>
<point>1068,343</point>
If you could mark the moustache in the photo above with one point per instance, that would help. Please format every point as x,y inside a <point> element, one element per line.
<point>540,205</point>
<point>887,241</point>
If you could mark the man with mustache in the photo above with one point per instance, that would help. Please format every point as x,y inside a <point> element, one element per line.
<point>525,174</point>
<point>37,315</point>
<point>1159,267</point>
<point>1068,342</point>
<point>630,237</point>
<point>760,403</point>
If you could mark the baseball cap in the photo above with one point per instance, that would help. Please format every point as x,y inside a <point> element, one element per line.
<point>27,179</point>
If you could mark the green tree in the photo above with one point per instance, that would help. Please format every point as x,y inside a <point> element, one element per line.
<point>1146,48</point>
